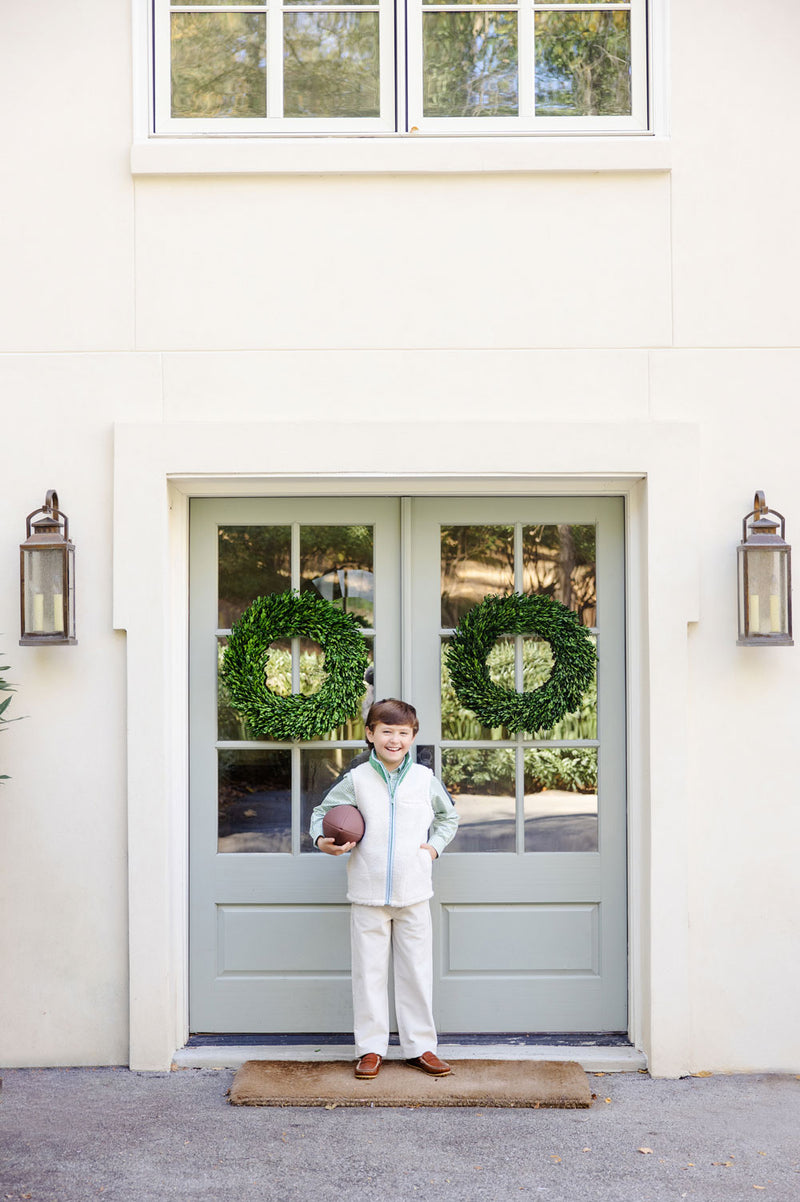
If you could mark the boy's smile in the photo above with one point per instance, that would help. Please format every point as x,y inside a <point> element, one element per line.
<point>391,743</point>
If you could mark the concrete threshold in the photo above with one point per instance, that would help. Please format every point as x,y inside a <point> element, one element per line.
<point>592,1059</point>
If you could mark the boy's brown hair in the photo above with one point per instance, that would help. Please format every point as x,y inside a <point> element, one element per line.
<point>392,712</point>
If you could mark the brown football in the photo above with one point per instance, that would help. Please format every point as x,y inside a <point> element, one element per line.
<point>343,824</point>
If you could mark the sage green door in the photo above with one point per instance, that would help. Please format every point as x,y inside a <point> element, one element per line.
<point>530,906</point>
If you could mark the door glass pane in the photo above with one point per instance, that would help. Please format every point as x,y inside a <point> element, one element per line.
<point>457,721</point>
<point>319,770</point>
<point>331,64</point>
<point>560,562</point>
<point>582,724</point>
<point>230,723</point>
<point>254,801</point>
<point>481,783</point>
<point>337,563</point>
<point>311,667</point>
<point>561,799</point>
<point>583,64</point>
<point>253,561</point>
<point>354,727</point>
<point>470,64</point>
<point>219,64</point>
<point>476,560</point>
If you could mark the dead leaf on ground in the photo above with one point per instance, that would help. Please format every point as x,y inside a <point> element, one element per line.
<point>645,1151</point>
<point>704,1073</point>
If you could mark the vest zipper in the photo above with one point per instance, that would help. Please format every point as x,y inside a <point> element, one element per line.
<point>390,856</point>
<point>402,772</point>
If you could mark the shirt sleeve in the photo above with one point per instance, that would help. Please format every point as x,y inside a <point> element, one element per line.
<point>340,794</point>
<point>445,818</point>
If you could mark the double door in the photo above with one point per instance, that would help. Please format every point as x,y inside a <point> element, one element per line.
<point>530,902</point>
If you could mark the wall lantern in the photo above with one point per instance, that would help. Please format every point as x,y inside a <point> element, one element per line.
<point>765,580</point>
<point>47,578</point>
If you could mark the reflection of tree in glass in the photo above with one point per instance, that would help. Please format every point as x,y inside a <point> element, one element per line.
<point>583,64</point>
<point>337,562</point>
<point>476,560</point>
<point>331,64</point>
<point>560,563</point>
<point>470,64</point>
<point>218,65</point>
<point>253,561</point>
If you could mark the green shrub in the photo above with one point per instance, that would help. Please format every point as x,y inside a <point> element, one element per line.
<point>486,770</point>
<point>5,687</point>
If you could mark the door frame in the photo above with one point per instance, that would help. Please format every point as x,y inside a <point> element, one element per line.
<point>159,467</point>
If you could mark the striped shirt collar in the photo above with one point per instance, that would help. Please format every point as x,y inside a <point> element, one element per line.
<point>397,775</point>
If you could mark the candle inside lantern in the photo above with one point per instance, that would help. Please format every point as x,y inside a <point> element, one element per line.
<point>774,613</point>
<point>754,623</point>
<point>58,612</point>
<point>38,612</point>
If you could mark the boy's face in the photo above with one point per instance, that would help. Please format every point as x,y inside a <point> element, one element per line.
<point>391,743</point>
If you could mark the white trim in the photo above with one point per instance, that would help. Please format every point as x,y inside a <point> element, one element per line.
<point>158,466</point>
<point>396,155</point>
<point>593,1059</point>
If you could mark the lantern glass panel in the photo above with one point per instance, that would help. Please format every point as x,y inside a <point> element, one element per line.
<point>765,591</point>
<point>45,585</point>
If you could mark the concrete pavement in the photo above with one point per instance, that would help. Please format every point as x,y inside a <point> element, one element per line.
<point>70,1135</point>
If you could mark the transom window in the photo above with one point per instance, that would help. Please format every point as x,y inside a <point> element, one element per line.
<point>400,66</point>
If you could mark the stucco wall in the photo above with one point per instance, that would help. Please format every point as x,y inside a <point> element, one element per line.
<point>572,297</point>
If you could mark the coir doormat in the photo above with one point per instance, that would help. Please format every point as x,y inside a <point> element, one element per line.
<point>504,1083</point>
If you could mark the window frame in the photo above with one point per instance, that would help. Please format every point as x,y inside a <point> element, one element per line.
<point>401,78</point>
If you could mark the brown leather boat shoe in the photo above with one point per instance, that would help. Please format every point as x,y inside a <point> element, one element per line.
<point>430,1064</point>
<point>369,1066</point>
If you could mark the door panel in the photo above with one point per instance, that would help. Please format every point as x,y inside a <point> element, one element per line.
<point>535,879</point>
<point>269,942</point>
<point>529,910</point>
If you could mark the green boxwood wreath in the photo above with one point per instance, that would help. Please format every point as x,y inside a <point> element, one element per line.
<point>574,659</point>
<point>295,615</point>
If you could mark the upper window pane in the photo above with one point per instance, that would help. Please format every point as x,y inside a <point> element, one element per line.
<point>218,65</point>
<point>331,65</point>
<point>583,64</point>
<point>470,64</point>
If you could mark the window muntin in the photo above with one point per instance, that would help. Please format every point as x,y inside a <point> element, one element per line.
<point>400,66</point>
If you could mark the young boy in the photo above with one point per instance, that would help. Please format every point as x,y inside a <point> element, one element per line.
<point>389,886</point>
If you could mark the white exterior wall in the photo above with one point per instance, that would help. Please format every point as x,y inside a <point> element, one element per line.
<point>620,302</point>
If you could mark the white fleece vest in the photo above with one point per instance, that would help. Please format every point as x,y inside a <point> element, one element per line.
<point>388,867</point>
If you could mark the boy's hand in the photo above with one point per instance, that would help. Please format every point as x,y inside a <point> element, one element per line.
<point>432,850</point>
<point>332,848</point>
